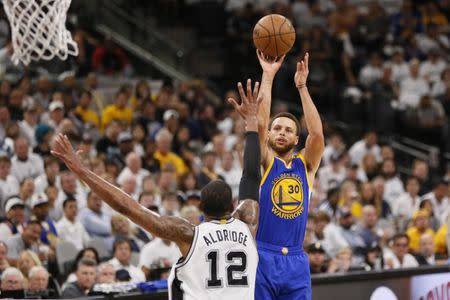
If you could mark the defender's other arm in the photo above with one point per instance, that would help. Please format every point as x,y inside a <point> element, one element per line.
<point>171,228</point>
<point>248,208</point>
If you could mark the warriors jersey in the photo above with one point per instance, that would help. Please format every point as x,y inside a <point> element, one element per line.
<point>221,264</point>
<point>283,205</point>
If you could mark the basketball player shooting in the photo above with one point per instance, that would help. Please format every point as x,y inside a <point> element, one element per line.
<point>286,189</point>
<point>219,257</point>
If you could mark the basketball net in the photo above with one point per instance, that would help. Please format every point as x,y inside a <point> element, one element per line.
<point>38,29</point>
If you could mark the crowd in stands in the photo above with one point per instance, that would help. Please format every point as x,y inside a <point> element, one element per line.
<point>161,147</point>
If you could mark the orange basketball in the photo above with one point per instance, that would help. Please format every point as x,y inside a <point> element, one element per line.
<point>274,35</point>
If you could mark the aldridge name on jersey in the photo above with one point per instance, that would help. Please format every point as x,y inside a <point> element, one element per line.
<point>225,235</point>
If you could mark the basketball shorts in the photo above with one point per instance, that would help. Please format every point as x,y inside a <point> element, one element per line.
<point>282,274</point>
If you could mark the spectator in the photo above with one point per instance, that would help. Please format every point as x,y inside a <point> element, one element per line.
<point>393,186</point>
<point>207,173</point>
<point>369,231</point>
<point>170,206</point>
<point>38,279</point>
<point>335,146</point>
<point>11,280</point>
<point>85,280</point>
<point>399,257</point>
<point>400,69</point>
<point>88,116</point>
<point>129,186</point>
<point>121,230</point>
<point>421,226</point>
<point>24,163</point>
<point>50,177</point>
<point>372,71</point>
<point>133,167</point>
<point>118,111</point>
<point>55,114</point>
<point>333,174</point>
<point>96,222</point>
<point>329,234</point>
<point>15,217</point>
<point>330,204</point>
<point>44,135</point>
<point>41,209</point>
<point>191,213</point>
<point>70,188</point>
<point>29,123</point>
<point>413,87</point>
<point>230,171</point>
<point>121,260</point>
<point>89,253</point>
<point>405,205</point>
<point>69,228</point>
<point>374,258</point>
<point>317,258</point>
<point>3,258</point>
<point>432,68</point>
<point>28,239</point>
<point>9,185</point>
<point>163,154</point>
<point>425,255</point>
<point>427,120</point>
<point>106,274</point>
<point>158,254</point>
<point>124,147</point>
<point>420,169</point>
<point>364,146</point>
<point>383,208</point>
<point>27,260</point>
<point>348,232</point>
<point>439,197</point>
<point>342,263</point>
<point>441,239</point>
<point>108,142</point>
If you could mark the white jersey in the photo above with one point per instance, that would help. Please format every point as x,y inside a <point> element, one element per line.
<point>221,264</point>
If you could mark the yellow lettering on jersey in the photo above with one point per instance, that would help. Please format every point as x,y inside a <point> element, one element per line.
<point>287,196</point>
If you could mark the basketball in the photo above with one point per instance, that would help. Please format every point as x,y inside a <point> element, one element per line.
<point>274,35</point>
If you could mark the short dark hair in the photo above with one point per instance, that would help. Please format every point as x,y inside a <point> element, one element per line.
<point>286,115</point>
<point>67,200</point>
<point>119,242</point>
<point>86,262</point>
<point>216,198</point>
<point>400,236</point>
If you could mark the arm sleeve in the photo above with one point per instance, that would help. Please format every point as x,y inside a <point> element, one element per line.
<point>251,174</point>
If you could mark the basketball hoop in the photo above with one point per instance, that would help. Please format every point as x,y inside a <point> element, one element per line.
<point>38,29</point>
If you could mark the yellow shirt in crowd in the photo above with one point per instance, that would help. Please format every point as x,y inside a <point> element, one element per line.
<point>171,159</point>
<point>440,240</point>
<point>112,112</point>
<point>88,116</point>
<point>414,237</point>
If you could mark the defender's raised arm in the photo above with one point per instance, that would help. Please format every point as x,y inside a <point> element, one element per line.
<point>171,228</point>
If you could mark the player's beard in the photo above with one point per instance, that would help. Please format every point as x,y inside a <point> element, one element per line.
<point>281,150</point>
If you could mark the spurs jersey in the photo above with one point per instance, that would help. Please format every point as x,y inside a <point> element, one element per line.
<point>221,264</point>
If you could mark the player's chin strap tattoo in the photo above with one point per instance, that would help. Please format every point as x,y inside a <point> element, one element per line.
<point>248,209</point>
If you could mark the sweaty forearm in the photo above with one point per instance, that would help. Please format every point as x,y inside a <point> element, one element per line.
<point>251,175</point>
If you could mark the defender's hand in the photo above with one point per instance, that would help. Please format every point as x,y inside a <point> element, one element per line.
<point>63,150</point>
<point>249,106</point>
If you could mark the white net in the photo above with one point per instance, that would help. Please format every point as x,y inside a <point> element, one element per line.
<point>38,29</point>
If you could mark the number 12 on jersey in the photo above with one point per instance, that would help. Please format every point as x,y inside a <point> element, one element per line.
<point>236,262</point>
